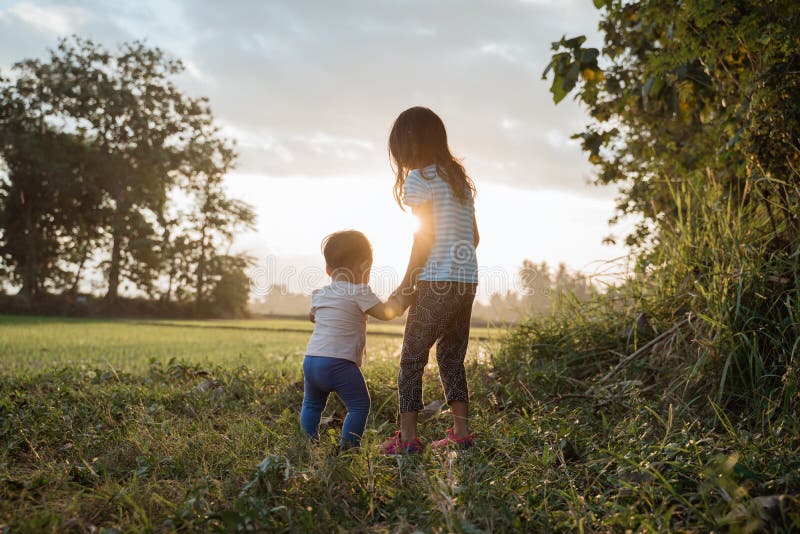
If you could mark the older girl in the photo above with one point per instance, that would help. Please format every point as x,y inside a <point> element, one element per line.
<point>442,273</point>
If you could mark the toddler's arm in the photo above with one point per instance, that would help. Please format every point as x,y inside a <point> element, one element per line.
<point>386,311</point>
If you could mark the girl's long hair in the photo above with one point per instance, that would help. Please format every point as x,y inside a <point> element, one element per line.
<point>417,139</point>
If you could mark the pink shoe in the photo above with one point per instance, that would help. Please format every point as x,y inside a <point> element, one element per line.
<point>465,443</point>
<point>394,445</point>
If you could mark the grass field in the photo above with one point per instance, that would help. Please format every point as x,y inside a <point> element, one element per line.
<point>295,325</point>
<point>96,413</point>
<point>132,426</point>
<point>35,343</point>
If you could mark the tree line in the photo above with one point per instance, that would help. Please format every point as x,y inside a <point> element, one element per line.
<point>540,291</point>
<point>111,170</point>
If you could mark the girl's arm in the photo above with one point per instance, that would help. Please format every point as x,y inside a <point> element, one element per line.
<point>423,243</point>
<point>475,231</point>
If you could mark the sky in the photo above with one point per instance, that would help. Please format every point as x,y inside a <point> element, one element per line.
<point>309,90</point>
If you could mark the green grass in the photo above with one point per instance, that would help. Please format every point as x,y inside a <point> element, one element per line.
<point>35,343</point>
<point>136,427</point>
<point>296,325</point>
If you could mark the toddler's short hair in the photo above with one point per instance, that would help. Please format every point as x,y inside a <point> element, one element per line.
<point>346,249</point>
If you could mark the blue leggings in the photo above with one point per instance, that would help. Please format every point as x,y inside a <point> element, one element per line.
<point>323,375</point>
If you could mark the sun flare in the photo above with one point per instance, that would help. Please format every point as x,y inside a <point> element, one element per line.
<point>411,222</point>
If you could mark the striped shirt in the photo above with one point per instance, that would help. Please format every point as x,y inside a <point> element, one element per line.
<point>452,257</point>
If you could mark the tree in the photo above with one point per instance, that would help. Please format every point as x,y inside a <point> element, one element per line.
<point>215,218</point>
<point>176,255</point>
<point>52,206</point>
<point>690,92</point>
<point>196,239</point>
<point>537,287</point>
<point>96,144</point>
<point>695,111</point>
<point>130,110</point>
<point>230,291</point>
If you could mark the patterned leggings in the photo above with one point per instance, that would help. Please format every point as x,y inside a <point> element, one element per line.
<point>441,315</point>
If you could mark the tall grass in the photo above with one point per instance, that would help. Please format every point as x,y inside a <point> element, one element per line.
<point>703,334</point>
<point>710,311</point>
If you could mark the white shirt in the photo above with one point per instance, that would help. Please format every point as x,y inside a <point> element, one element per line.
<point>340,321</point>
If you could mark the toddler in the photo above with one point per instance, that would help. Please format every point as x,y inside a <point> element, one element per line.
<point>336,350</point>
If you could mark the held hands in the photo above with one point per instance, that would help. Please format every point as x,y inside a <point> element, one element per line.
<point>394,306</point>
<point>402,298</point>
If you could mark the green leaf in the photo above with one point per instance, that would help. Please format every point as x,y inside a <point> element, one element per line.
<point>589,57</point>
<point>572,76</point>
<point>557,89</point>
<point>574,43</point>
<point>547,69</point>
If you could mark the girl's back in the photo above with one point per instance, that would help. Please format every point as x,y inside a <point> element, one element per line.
<point>452,256</point>
<point>442,273</point>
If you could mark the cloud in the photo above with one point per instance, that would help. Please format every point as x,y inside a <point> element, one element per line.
<point>54,19</point>
<point>310,88</point>
<point>29,29</point>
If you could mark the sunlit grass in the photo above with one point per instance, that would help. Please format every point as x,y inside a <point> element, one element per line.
<point>295,325</point>
<point>205,442</point>
<point>37,343</point>
<point>31,344</point>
